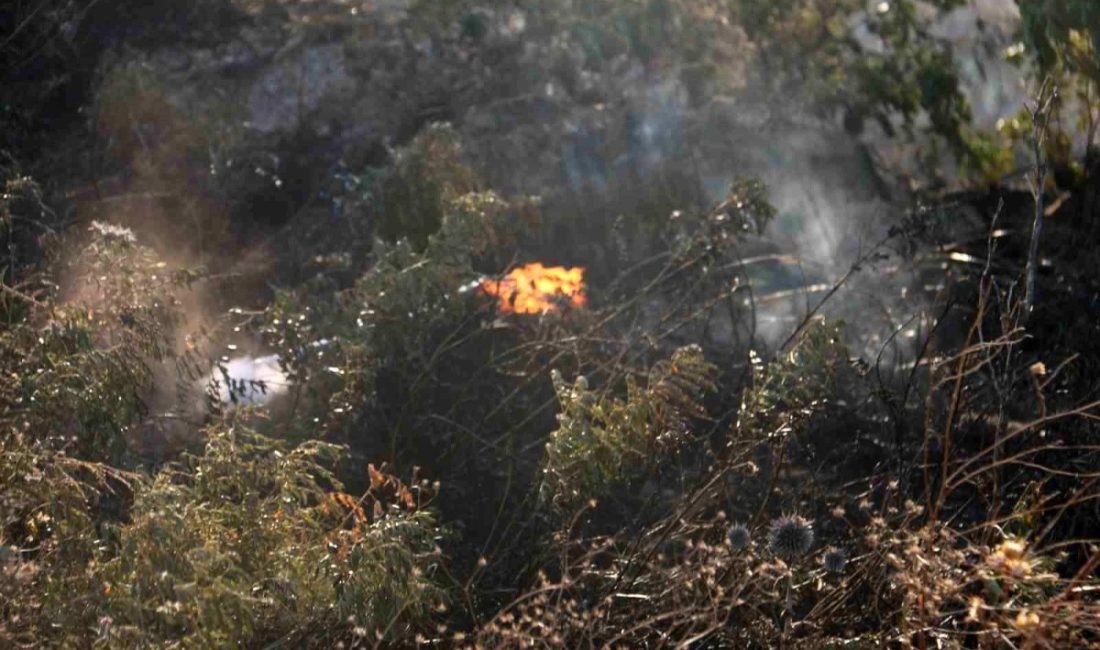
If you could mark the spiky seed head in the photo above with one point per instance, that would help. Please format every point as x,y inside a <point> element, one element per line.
<point>739,536</point>
<point>790,536</point>
<point>835,560</point>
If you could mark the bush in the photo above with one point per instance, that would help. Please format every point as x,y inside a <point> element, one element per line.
<point>253,543</point>
<point>249,540</point>
<point>601,441</point>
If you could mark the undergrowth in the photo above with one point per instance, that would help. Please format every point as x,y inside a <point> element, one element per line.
<point>637,469</point>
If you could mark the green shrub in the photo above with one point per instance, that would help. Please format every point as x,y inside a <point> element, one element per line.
<point>411,198</point>
<point>246,545</point>
<point>250,541</point>
<point>78,373</point>
<point>786,393</point>
<point>601,440</point>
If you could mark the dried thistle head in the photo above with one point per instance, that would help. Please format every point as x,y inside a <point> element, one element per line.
<point>790,537</point>
<point>739,536</point>
<point>835,560</point>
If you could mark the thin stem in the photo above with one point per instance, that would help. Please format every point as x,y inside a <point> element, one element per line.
<point>1040,118</point>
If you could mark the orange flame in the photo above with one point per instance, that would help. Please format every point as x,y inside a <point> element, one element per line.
<point>534,289</point>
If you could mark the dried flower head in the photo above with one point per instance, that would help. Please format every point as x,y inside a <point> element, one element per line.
<point>1026,621</point>
<point>835,560</point>
<point>974,612</point>
<point>1011,558</point>
<point>790,536</point>
<point>739,536</point>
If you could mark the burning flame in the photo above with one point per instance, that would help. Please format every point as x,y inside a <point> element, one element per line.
<point>534,289</point>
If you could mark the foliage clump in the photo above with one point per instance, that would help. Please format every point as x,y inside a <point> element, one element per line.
<point>786,393</point>
<point>253,543</point>
<point>601,440</point>
<point>251,539</point>
<point>411,197</point>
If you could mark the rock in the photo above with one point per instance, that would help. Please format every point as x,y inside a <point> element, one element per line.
<point>288,92</point>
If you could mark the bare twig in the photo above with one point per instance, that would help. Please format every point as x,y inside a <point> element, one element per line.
<point>1040,118</point>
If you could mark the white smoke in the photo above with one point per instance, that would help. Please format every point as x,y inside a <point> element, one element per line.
<point>247,381</point>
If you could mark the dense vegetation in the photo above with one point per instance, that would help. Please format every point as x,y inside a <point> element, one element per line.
<point>656,464</point>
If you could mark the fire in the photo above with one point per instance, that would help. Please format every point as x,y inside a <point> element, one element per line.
<point>534,289</point>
